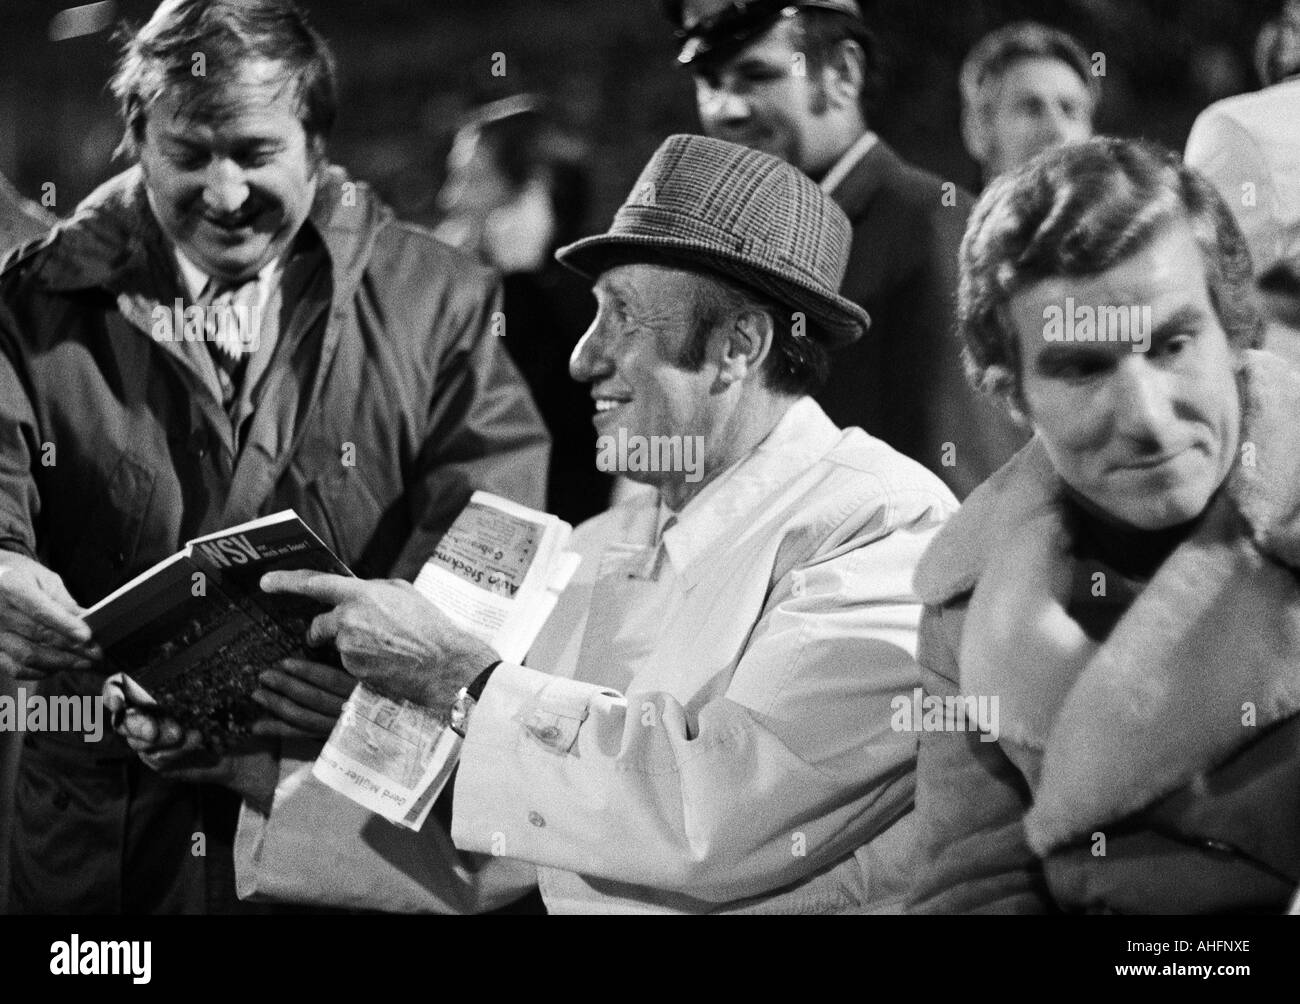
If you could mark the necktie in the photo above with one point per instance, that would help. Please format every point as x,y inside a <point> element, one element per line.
<point>232,319</point>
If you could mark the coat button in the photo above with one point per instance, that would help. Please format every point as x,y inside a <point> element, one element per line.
<point>61,799</point>
<point>537,819</point>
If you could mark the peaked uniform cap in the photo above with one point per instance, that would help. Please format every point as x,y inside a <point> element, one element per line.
<point>706,204</point>
<point>716,29</point>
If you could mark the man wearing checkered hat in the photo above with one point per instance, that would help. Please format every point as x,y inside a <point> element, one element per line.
<point>707,721</point>
<point>797,79</point>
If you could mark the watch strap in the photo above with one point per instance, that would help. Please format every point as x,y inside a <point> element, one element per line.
<point>475,690</point>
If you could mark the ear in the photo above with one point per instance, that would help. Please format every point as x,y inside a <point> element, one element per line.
<point>974,133</point>
<point>844,74</point>
<point>316,153</point>
<point>1001,382</point>
<point>745,345</point>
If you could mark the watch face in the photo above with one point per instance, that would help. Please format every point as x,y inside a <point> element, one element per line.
<point>460,709</point>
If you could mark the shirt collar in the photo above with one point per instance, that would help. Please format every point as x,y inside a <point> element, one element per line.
<point>848,161</point>
<point>728,505</point>
<point>196,280</point>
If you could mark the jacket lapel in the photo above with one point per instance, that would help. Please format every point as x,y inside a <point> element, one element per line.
<point>727,507</point>
<point>275,427</point>
<point>1201,664</point>
<point>860,186</point>
<point>347,227</point>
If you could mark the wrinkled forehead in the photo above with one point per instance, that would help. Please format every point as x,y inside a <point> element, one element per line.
<point>646,283</point>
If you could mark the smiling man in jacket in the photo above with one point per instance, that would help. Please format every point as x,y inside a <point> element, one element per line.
<point>360,387</point>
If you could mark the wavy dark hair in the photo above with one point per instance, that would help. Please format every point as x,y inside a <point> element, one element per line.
<point>1078,211</point>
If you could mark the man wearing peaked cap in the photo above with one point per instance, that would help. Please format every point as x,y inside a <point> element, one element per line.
<point>704,724</point>
<point>798,80</point>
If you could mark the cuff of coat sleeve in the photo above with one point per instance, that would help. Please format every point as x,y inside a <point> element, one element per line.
<point>524,726</point>
<point>525,705</point>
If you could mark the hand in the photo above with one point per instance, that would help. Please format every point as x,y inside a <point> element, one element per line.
<point>165,747</point>
<point>389,636</point>
<point>305,699</point>
<point>41,630</point>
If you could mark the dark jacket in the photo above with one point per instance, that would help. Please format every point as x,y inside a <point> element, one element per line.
<point>903,381</point>
<point>1157,771</point>
<point>387,402</point>
<point>20,222</point>
<point>20,219</point>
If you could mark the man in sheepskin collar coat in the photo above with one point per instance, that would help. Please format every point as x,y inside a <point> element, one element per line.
<point>1125,594</point>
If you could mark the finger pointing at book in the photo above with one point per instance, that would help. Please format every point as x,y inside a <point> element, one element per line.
<point>389,636</point>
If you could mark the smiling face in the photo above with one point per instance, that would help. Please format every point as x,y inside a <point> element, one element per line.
<point>631,356</point>
<point>231,191</point>
<point>756,98</point>
<point>1148,437</point>
<point>1041,104</point>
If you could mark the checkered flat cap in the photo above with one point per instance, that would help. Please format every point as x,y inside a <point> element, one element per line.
<point>705,204</point>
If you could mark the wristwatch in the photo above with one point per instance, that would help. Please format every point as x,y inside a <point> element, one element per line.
<point>465,700</point>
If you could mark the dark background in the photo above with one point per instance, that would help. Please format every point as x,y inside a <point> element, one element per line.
<point>409,69</point>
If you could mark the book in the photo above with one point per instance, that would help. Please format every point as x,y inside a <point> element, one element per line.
<point>195,630</point>
<point>497,572</point>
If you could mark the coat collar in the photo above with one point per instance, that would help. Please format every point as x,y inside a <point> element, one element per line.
<point>877,167</point>
<point>728,506</point>
<point>841,169</point>
<point>1107,729</point>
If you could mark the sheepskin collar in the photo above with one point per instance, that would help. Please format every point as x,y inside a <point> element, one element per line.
<point>1205,659</point>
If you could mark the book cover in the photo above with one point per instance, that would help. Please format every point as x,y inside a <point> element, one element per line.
<point>196,629</point>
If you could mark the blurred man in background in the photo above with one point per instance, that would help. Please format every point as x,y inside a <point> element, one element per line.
<point>1025,88</point>
<point>20,219</point>
<point>516,190</point>
<point>797,80</point>
<point>369,396</point>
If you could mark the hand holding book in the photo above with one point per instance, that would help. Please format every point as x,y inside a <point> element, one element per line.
<point>220,648</point>
<point>303,699</point>
<point>41,630</point>
<point>185,755</point>
<point>196,633</point>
